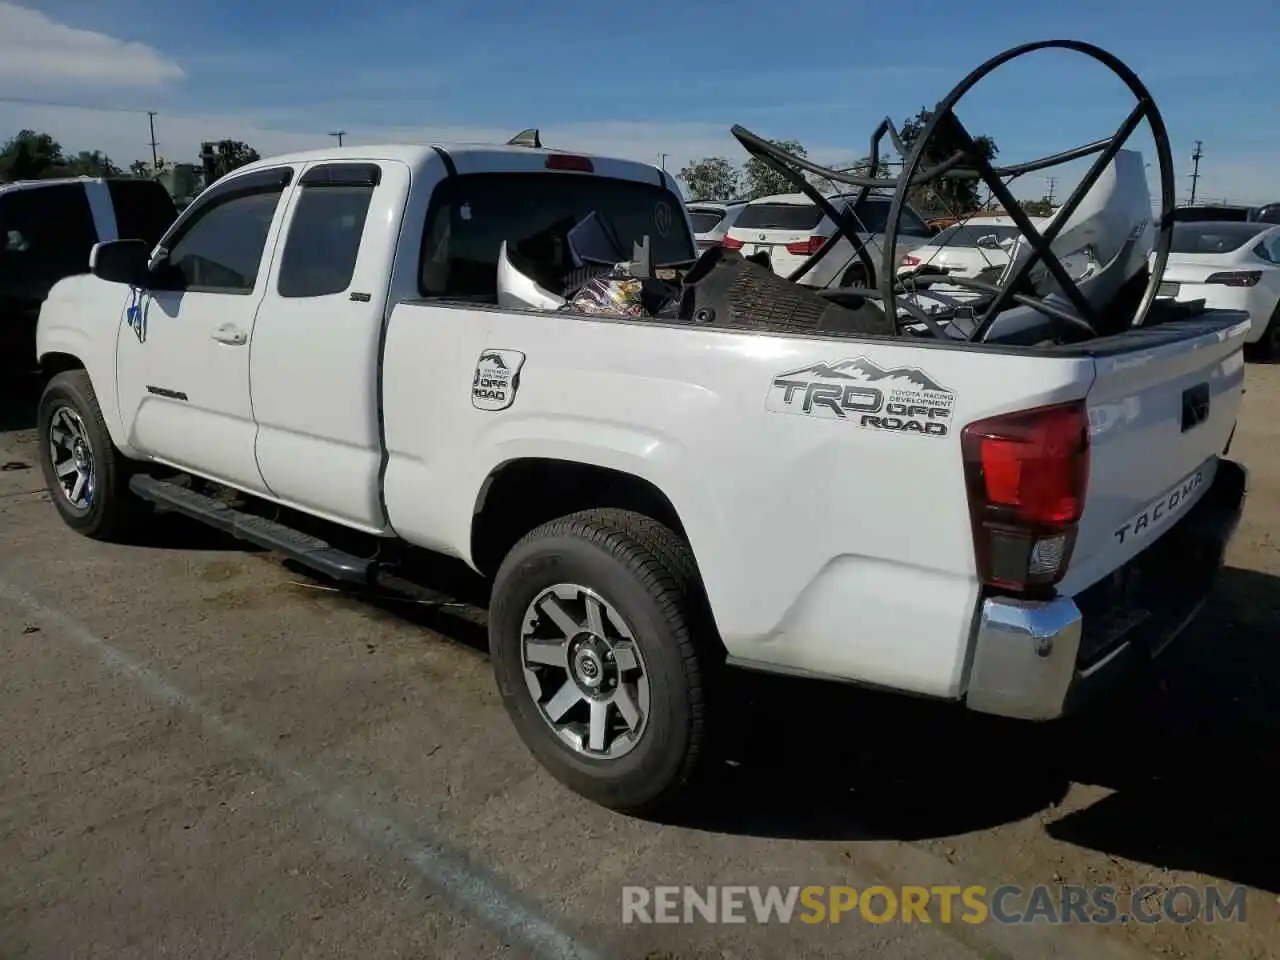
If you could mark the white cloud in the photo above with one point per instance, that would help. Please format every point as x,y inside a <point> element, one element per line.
<point>36,50</point>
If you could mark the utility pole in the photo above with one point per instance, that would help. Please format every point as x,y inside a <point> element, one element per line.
<point>1195,170</point>
<point>339,134</point>
<point>1053,183</point>
<point>151,122</point>
<point>663,159</point>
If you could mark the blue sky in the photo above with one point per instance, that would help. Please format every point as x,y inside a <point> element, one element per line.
<point>640,79</point>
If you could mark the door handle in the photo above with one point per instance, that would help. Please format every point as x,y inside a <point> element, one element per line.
<point>230,335</point>
<point>1195,406</point>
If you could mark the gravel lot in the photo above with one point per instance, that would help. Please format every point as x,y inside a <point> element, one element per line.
<point>207,753</point>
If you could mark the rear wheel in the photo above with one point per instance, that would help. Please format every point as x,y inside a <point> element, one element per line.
<point>87,477</point>
<point>591,631</point>
<point>1268,347</point>
<point>855,276</point>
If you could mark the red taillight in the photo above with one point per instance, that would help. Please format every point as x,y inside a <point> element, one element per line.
<point>909,261</point>
<point>806,248</point>
<point>1236,278</point>
<point>731,243</point>
<point>1026,473</point>
<point>569,161</point>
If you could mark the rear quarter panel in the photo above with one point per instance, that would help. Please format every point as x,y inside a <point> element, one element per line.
<point>825,546</point>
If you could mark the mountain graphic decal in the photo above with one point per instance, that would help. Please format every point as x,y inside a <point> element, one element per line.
<point>862,370</point>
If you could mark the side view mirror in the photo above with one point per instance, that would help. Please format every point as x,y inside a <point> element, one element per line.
<point>990,242</point>
<point>120,261</point>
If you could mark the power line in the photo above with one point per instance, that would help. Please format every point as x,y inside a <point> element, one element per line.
<point>66,105</point>
<point>1195,170</point>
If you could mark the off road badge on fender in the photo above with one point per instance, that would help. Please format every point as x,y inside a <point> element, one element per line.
<point>860,391</point>
<point>497,379</point>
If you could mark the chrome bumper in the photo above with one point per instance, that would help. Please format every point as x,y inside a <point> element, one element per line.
<point>1025,658</point>
<point>1035,660</point>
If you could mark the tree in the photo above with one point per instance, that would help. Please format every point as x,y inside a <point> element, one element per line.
<point>711,178</point>
<point>956,196</point>
<point>91,163</point>
<point>1037,208</point>
<point>761,180</point>
<point>220,158</point>
<point>30,156</point>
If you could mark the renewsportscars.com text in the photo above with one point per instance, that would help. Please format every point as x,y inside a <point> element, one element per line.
<point>1006,904</point>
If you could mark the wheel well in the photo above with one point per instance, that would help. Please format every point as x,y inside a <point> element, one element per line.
<point>52,364</point>
<point>523,494</point>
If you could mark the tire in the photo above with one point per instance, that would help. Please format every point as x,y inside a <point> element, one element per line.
<point>1268,345</point>
<point>104,509</point>
<point>856,275</point>
<point>645,578</point>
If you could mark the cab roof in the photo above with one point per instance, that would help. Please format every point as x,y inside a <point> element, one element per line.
<point>469,158</point>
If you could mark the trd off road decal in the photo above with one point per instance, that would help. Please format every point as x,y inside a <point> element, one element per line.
<point>497,379</point>
<point>898,400</point>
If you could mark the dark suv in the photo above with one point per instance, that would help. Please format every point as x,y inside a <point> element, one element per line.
<point>48,227</point>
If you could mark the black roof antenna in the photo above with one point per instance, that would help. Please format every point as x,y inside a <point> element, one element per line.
<point>526,138</point>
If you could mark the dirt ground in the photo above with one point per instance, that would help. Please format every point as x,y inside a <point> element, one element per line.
<point>207,753</point>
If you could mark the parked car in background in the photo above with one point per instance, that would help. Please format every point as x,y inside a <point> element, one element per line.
<point>1233,266</point>
<point>1227,212</point>
<point>967,249</point>
<point>712,219</point>
<point>1267,213</point>
<point>790,228</point>
<point>48,227</point>
<point>1211,213</point>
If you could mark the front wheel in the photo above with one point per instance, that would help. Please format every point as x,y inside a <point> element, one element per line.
<point>592,634</point>
<point>86,475</point>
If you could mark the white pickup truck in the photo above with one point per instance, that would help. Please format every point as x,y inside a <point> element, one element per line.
<point>316,345</point>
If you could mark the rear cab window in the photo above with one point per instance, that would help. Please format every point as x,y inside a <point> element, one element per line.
<point>472,214</point>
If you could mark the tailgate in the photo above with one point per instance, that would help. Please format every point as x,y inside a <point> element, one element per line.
<point>1159,417</point>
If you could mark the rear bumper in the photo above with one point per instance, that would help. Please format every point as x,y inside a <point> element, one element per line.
<point>1041,660</point>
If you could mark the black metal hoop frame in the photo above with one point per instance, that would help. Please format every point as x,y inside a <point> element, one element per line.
<point>968,163</point>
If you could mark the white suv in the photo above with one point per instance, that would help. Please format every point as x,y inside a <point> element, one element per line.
<point>712,219</point>
<point>790,228</point>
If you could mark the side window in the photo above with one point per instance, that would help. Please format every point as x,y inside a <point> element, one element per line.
<point>912,225</point>
<point>50,228</point>
<point>1274,247</point>
<point>220,249</point>
<point>143,208</point>
<point>873,215</point>
<point>324,238</point>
